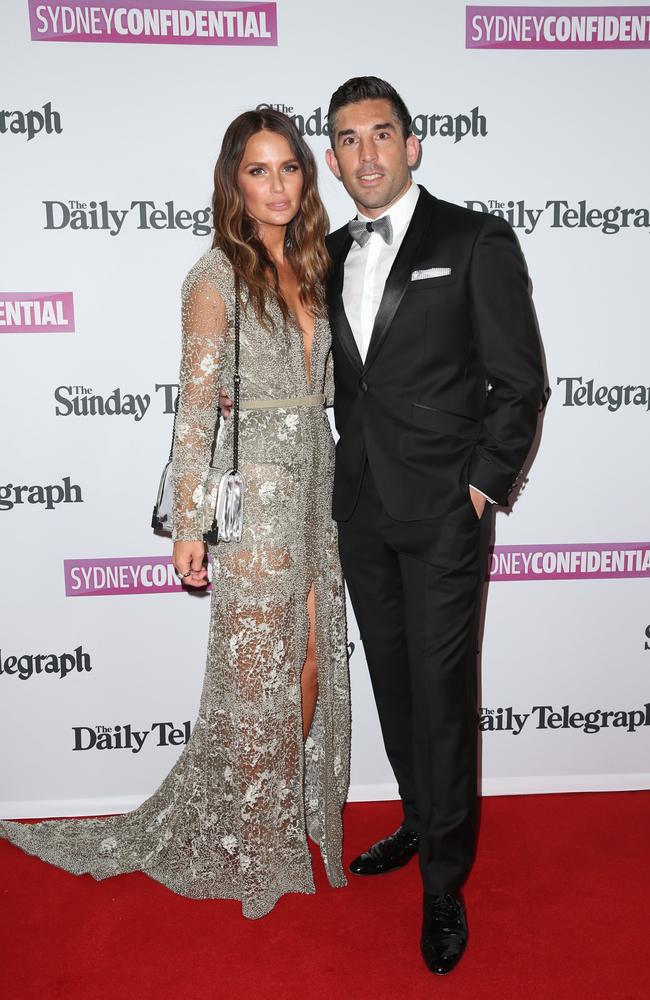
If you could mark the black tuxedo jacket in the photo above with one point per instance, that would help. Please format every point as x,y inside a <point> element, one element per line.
<point>453,380</point>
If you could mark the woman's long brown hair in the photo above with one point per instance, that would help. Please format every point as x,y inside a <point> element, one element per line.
<point>235,232</point>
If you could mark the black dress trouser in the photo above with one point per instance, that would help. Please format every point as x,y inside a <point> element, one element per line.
<point>416,589</point>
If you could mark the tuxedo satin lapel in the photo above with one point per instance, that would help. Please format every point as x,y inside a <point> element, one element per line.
<point>339,322</point>
<point>400,274</point>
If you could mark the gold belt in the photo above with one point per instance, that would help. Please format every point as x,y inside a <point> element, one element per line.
<point>284,404</point>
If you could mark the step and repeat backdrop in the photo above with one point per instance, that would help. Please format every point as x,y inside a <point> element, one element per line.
<point>111,117</point>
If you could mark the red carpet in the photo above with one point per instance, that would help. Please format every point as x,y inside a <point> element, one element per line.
<point>558,903</point>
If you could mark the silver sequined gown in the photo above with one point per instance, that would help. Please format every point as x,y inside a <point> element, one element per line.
<point>231,818</point>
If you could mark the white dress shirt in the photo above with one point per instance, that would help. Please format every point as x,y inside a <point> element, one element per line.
<point>366,269</point>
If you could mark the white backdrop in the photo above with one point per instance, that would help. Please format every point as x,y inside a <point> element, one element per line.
<point>558,137</point>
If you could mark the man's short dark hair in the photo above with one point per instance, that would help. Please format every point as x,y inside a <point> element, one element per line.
<point>367,88</point>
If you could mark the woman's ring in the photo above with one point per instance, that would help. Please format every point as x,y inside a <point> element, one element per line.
<point>183,575</point>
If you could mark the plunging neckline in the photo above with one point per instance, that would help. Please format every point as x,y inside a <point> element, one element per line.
<point>307,368</point>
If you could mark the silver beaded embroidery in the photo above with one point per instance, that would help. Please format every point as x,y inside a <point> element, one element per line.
<point>231,819</point>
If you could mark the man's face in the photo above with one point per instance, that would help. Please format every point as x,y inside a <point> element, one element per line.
<point>371,156</point>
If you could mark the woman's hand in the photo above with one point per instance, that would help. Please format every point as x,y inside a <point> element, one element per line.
<point>188,561</point>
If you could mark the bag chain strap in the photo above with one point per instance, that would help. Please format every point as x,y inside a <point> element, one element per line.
<point>237,383</point>
<point>171,445</point>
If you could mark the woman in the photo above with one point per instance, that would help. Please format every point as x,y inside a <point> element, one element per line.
<point>268,758</point>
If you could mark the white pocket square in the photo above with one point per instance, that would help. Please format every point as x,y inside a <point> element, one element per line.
<point>430,272</point>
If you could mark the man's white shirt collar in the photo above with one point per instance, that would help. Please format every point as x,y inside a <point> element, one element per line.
<point>401,212</point>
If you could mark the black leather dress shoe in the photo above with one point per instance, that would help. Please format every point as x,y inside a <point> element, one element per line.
<point>444,932</point>
<point>387,855</point>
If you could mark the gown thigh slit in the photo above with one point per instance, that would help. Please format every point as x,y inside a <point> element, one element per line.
<point>309,672</point>
<point>232,817</point>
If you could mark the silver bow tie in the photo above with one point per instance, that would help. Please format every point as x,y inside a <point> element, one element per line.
<point>360,231</point>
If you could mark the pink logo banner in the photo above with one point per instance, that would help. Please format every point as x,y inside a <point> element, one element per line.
<point>36,312</point>
<point>154,22</point>
<point>586,561</point>
<point>557,28</point>
<point>127,575</point>
<point>596,561</point>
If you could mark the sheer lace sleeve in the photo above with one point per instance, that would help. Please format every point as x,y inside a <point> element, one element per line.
<point>204,325</point>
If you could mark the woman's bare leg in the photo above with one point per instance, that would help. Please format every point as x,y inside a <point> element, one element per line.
<point>309,675</point>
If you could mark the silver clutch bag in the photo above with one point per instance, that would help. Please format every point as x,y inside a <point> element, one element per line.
<point>229,510</point>
<point>223,508</point>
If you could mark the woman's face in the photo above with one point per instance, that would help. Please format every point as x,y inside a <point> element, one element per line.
<point>270,180</point>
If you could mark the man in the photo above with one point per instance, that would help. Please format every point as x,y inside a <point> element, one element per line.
<point>439,381</point>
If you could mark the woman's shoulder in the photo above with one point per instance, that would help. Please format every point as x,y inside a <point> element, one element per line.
<point>213,267</point>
